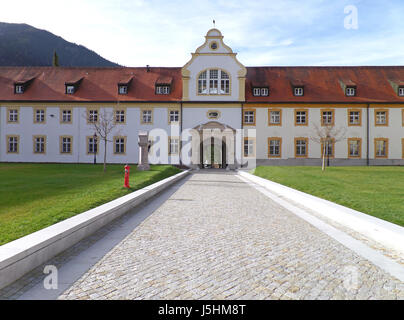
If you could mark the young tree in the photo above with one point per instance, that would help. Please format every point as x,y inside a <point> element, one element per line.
<point>103,126</point>
<point>55,59</point>
<point>326,135</point>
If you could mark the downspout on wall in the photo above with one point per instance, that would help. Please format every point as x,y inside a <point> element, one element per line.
<point>367,135</point>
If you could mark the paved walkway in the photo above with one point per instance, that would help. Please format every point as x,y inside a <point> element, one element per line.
<point>216,237</point>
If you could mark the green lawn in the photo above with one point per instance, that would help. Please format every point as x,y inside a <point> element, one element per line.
<point>34,196</point>
<point>378,191</point>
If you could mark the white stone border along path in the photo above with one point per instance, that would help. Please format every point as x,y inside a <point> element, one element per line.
<point>388,234</point>
<point>25,254</point>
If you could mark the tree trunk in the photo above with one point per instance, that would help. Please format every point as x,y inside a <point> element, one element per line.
<point>105,155</point>
<point>323,164</point>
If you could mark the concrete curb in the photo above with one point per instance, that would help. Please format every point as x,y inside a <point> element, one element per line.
<point>22,255</point>
<point>388,234</point>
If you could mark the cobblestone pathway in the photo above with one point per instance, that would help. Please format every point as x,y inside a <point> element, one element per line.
<point>218,238</point>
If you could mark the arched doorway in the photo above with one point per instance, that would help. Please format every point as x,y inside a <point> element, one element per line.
<point>213,146</point>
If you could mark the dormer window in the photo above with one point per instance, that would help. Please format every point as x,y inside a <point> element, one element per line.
<point>401,91</point>
<point>123,89</point>
<point>69,89</point>
<point>162,89</point>
<point>298,91</point>
<point>260,91</point>
<point>19,89</point>
<point>350,91</point>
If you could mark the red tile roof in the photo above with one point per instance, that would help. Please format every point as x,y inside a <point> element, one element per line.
<point>321,84</point>
<point>98,84</point>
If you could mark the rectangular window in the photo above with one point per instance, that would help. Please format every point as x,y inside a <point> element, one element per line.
<point>39,116</point>
<point>174,144</point>
<point>301,117</point>
<point>174,116</point>
<point>19,89</point>
<point>162,89</point>
<point>275,117</point>
<point>92,145</point>
<point>224,83</point>
<point>327,117</point>
<point>264,92</point>
<point>256,92</point>
<point>354,117</point>
<point>350,91</point>
<point>66,116</point>
<point>249,147</point>
<point>119,145</point>
<point>202,83</point>
<point>274,147</point>
<point>213,81</point>
<point>12,144</point>
<point>381,145</point>
<point>301,147</point>
<point>92,116</point>
<point>12,116</point>
<point>298,91</point>
<point>123,89</point>
<point>354,147</point>
<point>381,117</point>
<point>66,144</point>
<point>147,116</point>
<point>120,116</point>
<point>69,89</point>
<point>39,144</point>
<point>401,91</point>
<point>249,117</point>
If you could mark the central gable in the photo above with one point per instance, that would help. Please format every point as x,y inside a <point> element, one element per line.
<point>213,73</point>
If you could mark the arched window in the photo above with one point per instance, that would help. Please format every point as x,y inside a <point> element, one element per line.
<point>213,81</point>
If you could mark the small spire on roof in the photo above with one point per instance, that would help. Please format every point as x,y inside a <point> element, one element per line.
<point>213,23</point>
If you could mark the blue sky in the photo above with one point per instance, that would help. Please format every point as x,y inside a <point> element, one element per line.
<point>279,33</point>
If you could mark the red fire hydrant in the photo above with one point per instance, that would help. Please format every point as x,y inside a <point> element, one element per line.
<point>127,169</point>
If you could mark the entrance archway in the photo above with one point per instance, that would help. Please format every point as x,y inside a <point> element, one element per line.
<point>213,146</point>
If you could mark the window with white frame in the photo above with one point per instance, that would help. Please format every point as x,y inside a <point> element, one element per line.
<point>92,116</point>
<point>123,89</point>
<point>174,146</point>
<point>248,147</point>
<point>213,81</point>
<point>401,91</point>
<point>12,145</point>
<point>381,148</point>
<point>298,91</point>
<point>350,91</point>
<point>301,117</point>
<point>354,117</point>
<point>120,116</point>
<point>66,145</point>
<point>275,117</point>
<point>256,92</point>
<point>39,115</point>
<point>13,115</point>
<point>381,117</point>
<point>66,116</point>
<point>69,89</point>
<point>174,115</point>
<point>19,89</point>
<point>147,116</point>
<point>162,89</point>
<point>39,144</point>
<point>119,146</point>
<point>274,147</point>
<point>354,147</point>
<point>264,92</point>
<point>92,145</point>
<point>327,117</point>
<point>301,147</point>
<point>249,117</point>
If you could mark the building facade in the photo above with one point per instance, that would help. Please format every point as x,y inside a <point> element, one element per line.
<point>213,111</point>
